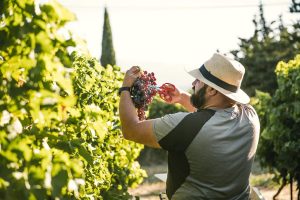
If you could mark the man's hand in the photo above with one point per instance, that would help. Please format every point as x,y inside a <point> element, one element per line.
<point>175,96</point>
<point>131,75</point>
<point>182,98</point>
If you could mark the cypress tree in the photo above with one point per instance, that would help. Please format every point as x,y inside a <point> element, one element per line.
<point>108,52</point>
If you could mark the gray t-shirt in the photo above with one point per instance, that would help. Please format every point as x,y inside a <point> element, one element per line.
<point>210,152</point>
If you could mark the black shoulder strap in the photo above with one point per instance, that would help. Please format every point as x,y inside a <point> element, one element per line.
<point>184,133</point>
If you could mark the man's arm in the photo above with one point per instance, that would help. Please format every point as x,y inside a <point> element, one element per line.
<point>132,128</point>
<point>182,98</point>
<point>185,101</point>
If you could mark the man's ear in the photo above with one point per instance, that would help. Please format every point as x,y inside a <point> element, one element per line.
<point>211,91</point>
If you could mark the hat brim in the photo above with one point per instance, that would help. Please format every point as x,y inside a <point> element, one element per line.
<point>239,96</point>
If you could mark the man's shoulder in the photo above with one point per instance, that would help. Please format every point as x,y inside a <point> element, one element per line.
<point>251,114</point>
<point>169,121</point>
<point>250,110</point>
<point>248,107</point>
<point>176,117</point>
<point>180,116</point>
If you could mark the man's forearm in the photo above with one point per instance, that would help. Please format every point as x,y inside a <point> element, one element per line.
<point>132,128</point>
<point>128,114</point>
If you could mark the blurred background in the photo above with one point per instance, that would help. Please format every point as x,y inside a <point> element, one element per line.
<point>168,36</point>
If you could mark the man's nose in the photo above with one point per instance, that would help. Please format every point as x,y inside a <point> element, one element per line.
<point>194,82</point>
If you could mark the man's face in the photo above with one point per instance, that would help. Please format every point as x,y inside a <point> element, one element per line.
<point>198,97</point>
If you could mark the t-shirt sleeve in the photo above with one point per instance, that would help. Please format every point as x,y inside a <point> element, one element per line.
<point>164,125</point>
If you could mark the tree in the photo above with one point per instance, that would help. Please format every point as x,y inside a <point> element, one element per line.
<point>108,52</point>
<point>279,148</point>
<point>260,53</point>
<point>295,7</point>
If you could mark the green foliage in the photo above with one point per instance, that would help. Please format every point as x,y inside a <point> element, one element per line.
<point>279,148</point>
<point>59,127</point>
<point>110,161</point>
<point>36,92</point>
<point>261,52</point>
<point>108,52</point>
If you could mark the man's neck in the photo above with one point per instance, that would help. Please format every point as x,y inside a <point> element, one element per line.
<point>218,106</point>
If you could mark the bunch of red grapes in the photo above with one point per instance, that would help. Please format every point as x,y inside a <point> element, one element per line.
<point>142,92</point>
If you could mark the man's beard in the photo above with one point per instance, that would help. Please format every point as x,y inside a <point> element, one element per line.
<point>198,98</point>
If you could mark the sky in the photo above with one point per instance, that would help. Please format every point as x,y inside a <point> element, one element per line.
<point>169,36</point>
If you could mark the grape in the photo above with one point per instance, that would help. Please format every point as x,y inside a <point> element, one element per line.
<point>142,92</point>
<point>144,89</point>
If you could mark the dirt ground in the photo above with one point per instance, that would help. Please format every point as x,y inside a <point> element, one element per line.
<point>284,194</point>
<point>152,187</point>
<point>150,191</point>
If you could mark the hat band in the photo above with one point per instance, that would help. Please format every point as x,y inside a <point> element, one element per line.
<point>206,74</point>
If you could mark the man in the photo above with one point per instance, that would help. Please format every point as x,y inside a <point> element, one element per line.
<point>212,147</point>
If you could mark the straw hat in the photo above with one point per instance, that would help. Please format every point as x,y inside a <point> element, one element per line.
<point>223,74</point>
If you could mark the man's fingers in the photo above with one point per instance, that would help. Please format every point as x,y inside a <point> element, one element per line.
<point>136,68</point>
<point>134,71</point>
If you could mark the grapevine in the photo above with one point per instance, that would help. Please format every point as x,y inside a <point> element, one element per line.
<point>144,89</point>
